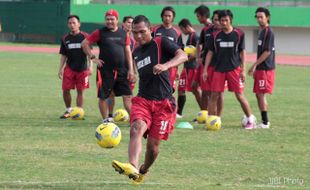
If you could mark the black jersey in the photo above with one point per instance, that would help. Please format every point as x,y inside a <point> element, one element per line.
<point>172,34</point>
<point>192,40</point>
<point>71,48</point>
<point>266,42</point>
<point>203,39</point>
<point>158,51</point>
<point>227,48</point>
<point>208,33</point>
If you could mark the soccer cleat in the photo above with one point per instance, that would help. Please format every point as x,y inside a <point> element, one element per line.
<point>250,125</point>
<point>108,120</point>
<point>263,126</point>
<point>139,180</point>
<point>65,115</point>
<point>178,116</point>
<point>126,169</point>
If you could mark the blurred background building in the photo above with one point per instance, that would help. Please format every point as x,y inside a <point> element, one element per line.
<point>44,21</point>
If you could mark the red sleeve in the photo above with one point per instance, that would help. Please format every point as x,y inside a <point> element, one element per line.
<point>127,40</point>
<point>93,37</point>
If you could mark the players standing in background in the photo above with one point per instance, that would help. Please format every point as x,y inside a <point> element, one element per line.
<point>127,26</point>
<point>263,69</point>
<point>207,84</point>
<point>202,13</point>
<point>190,67</point>
<point>73,68</point>
<point>228,46</point>
<point>168,30</point>
<point>153,109</point>
<point>112,73</point>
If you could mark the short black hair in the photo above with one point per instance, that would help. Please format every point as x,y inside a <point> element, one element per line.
<point>203,10</point>
<point>216,12</point>
<point>226,12</point>
<point>74,16</point>
<point>141,18</point>
<point>263,10</point>
<point>126,18</point>
<point>185,23</point>
<point>168,8</point>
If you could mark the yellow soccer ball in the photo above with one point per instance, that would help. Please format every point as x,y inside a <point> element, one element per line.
<point>77,113</point>
<point>108,135</point>
<point>214,123</point>
<point>202,116</point>
<point>190,50</point>
<point>120,115</point>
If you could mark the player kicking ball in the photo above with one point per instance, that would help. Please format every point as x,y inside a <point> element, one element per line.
<point>153,109</point>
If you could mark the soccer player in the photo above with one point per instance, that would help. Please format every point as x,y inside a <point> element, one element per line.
<point>228,46</point>
<point>202,13</point>
<point>263,69</point>
<point>207,84</point>
<point>190,67</point>
<point>153,109</point>
<point>127,26</point>
<point>73,69</point>
<point>168,30</point>
<point>112,74</point>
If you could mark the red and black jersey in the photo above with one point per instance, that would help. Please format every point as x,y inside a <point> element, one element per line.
<point>227,48</point>
<point>111,50</point>
<point>172,33</point>
<point>208,34</point>
<point>192,40</point>
<point>205,32</point>
<point>71,48</point>
<point>266,42</point>
<point>158,51</point>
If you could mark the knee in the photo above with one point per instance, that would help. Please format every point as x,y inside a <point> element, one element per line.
<point>137,128</point>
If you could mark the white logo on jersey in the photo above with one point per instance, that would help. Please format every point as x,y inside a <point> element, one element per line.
<point>74,46</point>
<point>144,62</point>
<point>170,38</point>
<point>259,42</point>
<point>218,40</point>
<point>227,44</point>
<point>158,34</point>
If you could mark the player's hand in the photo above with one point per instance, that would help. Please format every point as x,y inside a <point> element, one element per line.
<point>177,76</point>
<point>90,71</point>
<point>99,62</point>
<point>252,70</point>
<point>204,75</point>
<point>131,77</point>
<point>159,68</point>
<point>242,76</point>
<point>60,74</point>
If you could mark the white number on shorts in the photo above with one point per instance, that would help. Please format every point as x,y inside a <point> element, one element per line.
<point>182,82</point>
<point>261,83</point>
<point>163,127</point>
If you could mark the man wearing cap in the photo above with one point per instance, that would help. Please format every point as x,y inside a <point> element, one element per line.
<point>114,53</point>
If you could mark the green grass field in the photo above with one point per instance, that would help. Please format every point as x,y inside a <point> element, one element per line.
<point>40,151</point>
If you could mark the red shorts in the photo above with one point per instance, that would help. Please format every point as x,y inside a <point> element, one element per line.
<point>159,116</point>
<point>186,79</point>
<point>199,79</point>
<point>234,82</point>
<point>73,79</point>
<point>173,72</point>
<point>263,81</point>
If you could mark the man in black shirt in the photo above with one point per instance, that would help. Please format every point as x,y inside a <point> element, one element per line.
<point>112,73</point>
<point>227,45</point>
<point>153,109</point>
<point>263,69</point>
<point>73,68</point>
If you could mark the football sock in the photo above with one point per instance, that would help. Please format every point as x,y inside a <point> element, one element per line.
<point>110,115</point>
<point>181,103</point>
<point>264,117</point>
<point>69,109</point>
